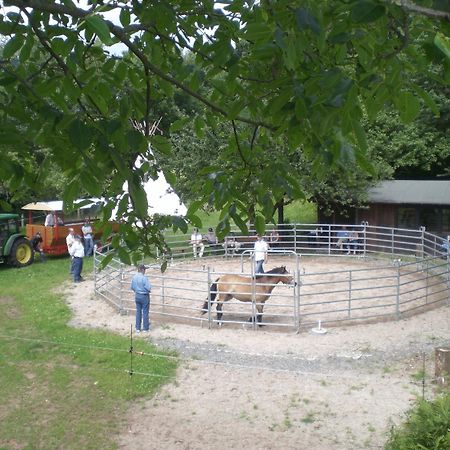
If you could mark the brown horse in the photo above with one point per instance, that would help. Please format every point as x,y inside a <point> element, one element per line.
<point>247,289</point>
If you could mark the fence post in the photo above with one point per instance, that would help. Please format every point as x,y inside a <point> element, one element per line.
<point>208,279</point>
<point>350,294</point>
<point>427,279</point>
<point>397,305</point>
<point>365,224</point>
<point>295,238</point>
<point>121,288</point>
<point>422,242</point>
<point>329,239</point>
<point>297,299</point>
<point>392,242</point>
<point>163,293</point>
<point>95,269</point>
<point>448,274</point>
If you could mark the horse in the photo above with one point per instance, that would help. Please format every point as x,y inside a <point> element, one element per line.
<point>245,289</point>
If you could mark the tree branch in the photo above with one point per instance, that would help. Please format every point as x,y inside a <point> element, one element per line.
<point>428,12</point>
<point>55,8</point>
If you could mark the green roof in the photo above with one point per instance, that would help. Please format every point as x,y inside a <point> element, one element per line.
<point>7,216</point>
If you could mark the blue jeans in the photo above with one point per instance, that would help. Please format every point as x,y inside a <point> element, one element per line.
<point>142,311</point>
<point>259,266</point>
<point>88,246</point>
<point>77,267</point>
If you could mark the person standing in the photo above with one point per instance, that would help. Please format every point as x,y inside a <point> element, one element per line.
<point>142,287</point>
<point>197,244</point>
<point>260,254</point>
<point>86,229</point>
<point>77,253</point>
<point>70,238</point>
<point>36,243</point>
<point>50,219</point>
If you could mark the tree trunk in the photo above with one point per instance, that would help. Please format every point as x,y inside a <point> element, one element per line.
<point>442,365</point>
<point>280,210</point>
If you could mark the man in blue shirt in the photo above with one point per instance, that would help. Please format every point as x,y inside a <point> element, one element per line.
<point>141,286</point>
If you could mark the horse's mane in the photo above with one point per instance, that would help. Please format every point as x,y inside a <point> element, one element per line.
<point>277,270</point>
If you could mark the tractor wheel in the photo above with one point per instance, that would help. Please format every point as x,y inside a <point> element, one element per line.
<point>21,253</point>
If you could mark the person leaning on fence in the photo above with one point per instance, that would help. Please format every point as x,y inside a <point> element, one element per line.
<point>197,244</point>
<point>142,287</point>
<point>230,244</point>
<point>342,236</point>
<point>274,238</point>
<point>352,242</point>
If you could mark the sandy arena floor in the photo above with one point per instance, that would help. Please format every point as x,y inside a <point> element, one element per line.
<point>238,388</point>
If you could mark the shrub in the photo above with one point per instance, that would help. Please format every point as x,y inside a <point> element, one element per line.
<point>427,427</point>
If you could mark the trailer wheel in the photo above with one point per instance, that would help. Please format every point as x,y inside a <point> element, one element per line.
<point>21,253</point>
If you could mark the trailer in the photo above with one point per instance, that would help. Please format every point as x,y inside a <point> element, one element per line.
<point>54,237</point>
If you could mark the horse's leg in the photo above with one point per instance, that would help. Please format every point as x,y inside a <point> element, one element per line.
<point>221,298</point>
<point>259,314</point>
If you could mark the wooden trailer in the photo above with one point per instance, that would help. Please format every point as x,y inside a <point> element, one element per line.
<point>54,237</point>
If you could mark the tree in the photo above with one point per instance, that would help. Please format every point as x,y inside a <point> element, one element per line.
<point>301,72</point>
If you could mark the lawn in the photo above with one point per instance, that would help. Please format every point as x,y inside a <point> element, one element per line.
<point>296,212</point>
<point>63,387</point>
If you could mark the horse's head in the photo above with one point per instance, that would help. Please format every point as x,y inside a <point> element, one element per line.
<point>284,276</point>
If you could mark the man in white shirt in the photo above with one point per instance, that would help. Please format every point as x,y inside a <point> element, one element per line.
<point>260,254</point>
<point>197,244</point>
<point>77,253</point>
<point>70,238</point>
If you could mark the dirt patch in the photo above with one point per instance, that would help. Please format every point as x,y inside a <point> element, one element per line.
<point>239,388</point>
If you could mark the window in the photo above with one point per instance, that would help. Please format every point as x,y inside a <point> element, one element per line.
<point>430,218</point>
<point>407,218</point>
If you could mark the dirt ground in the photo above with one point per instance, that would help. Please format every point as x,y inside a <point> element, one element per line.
<point>237,388</point>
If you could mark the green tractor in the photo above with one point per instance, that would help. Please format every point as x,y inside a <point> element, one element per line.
<point>15,248</point>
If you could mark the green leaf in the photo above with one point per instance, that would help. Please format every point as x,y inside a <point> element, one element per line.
<point>124,17</point>
<point>12,46</point>
<point>260,223</point>
<point>443,44</point>
<point>98,26</point>
<point>80,134</point>
<point>426,97</point>
<point>124,255</point>
<point>179,223</point>
<point>199,125</point>
<point>194,206</point>
<point>359,133</point>
<point>407,105</point>
<point>179,124</point>
<point>365,11</point>
<point>258,31</point>
<point>305,20</point>
<point>139,198</point>
<point>161,144</point>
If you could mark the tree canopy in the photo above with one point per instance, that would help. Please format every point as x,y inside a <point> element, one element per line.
<point>300,74</point>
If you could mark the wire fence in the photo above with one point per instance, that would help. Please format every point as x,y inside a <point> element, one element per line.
<point>394,273</point>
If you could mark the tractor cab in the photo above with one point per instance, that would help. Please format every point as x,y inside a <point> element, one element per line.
<point>15,248</point>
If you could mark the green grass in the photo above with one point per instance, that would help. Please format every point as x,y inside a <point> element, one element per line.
<point>62,387</point>
<point>296,212</point>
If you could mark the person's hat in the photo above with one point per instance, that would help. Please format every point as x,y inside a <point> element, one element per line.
<point>210,229</point>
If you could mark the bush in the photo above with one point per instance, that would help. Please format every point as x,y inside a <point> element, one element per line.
<point>427,427</point>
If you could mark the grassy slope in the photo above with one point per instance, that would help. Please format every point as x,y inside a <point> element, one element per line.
<point>296,212</point>
<point>62,387</point>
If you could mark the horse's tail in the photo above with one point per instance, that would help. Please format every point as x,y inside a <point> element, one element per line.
<point>213,293</point>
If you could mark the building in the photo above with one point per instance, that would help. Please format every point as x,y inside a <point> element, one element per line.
<point>407,204</point>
